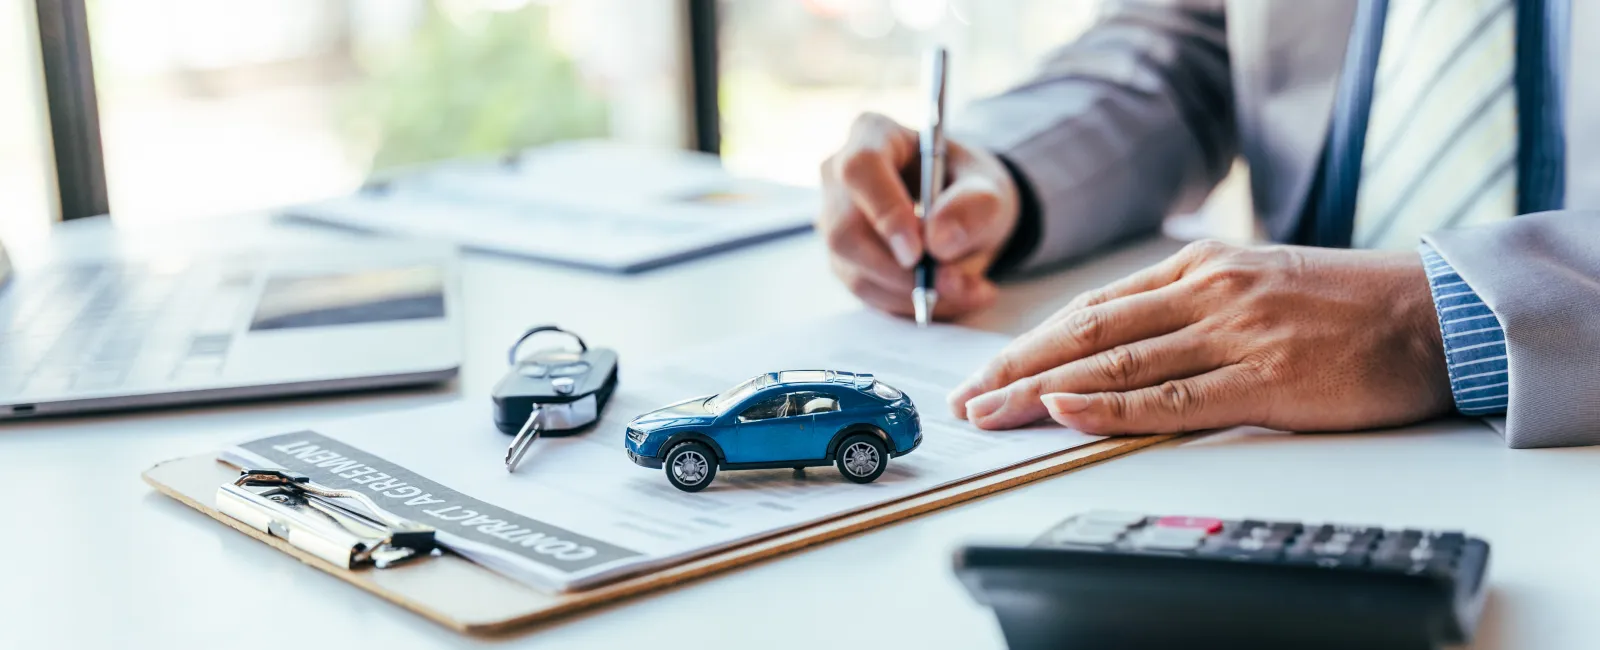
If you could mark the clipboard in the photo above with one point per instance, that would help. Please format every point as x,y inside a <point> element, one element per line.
<point>470,599</point>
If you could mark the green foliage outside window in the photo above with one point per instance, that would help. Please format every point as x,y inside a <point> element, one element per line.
<point>456,88</point>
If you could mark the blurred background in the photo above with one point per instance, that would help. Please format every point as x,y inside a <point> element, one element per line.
<point>215,108</point>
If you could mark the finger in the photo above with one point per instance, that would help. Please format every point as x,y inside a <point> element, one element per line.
<point>1220,398</point>
<point>870,167</point>
<point>958,297</point>
<point>966,219</point>
<point>862,284</point>
<point>1084,332</point>
<point>853,242</point>
<point>968,292</point>
<point>1150,278</point>
<point>1182,354</point>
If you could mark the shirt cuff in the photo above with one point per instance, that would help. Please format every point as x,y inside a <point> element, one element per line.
<point>1025,238</point>
<point>1474,341</point>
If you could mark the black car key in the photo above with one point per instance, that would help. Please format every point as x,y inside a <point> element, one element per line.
<point>552,391</point>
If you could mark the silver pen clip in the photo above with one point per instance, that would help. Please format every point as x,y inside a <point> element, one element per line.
<point>310,517</point>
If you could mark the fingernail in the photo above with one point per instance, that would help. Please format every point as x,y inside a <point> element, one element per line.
<point>959,396</point>
<point>1065,402</point>
<point>904,252</point>
<point>983,405</point>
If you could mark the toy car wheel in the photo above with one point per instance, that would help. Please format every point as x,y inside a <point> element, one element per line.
<point>690,466</point>
<point>861,458</point>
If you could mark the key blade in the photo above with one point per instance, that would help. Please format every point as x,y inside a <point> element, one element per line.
<point>524,440</point>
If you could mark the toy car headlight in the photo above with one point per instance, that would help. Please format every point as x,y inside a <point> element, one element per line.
<point>638,437</point>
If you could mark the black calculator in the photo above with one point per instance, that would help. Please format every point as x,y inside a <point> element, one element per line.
<point>1131,580</point>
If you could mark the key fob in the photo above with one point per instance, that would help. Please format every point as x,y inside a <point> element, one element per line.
<point>573,386</point>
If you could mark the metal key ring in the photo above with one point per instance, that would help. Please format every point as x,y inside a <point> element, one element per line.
<point>511,356</point>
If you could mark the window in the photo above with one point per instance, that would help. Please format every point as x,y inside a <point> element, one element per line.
<point>795,73</point>
<point>804,376</point>
<point>731,397</point>
<point>814,403</point>
<point>768,409</point>
<point>27,175</point>
<point>211,108</point>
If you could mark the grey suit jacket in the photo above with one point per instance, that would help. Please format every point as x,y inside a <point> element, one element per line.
<point>1145,113</point>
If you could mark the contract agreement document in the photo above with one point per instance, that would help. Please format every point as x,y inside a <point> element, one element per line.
<point>578,513</point>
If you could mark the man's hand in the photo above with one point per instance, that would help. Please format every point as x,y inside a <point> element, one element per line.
<point>1290,338</point>
<point>874,236</point>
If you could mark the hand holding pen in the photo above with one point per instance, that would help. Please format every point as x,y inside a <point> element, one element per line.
<point>874,234</point>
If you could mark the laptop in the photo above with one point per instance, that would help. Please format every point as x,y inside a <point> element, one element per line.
<point>120,330</point>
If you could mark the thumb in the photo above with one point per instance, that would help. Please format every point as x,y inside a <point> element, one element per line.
<point>969,218</point>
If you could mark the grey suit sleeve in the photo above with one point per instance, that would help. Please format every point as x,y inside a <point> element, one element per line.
<point>1130,123</point>
<point>1540,274</point>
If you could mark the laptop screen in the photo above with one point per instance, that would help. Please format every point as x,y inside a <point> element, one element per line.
<point>382,295</point>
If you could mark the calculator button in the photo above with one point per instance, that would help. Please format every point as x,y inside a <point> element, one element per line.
<point>1394,545</point>
<point>1172,539</point>
<point>1245,550</point>
<point>1317,533</point>
<point>1091,535</point>
<point>1168,543</point>
<point>1174,533</point>
<point>1266,534</point>
<point>1260,530</point>
<point>1326,561</point>
<point>1263,557</point>
<point>1371,531</point>
<point>1253,544</point>
<point>1112,518</point>
<point>1206,524</point>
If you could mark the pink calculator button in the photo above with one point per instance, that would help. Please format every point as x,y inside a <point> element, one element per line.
<point>1203,523</point>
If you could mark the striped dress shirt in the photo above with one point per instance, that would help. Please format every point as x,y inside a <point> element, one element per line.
<point>1474,339</point>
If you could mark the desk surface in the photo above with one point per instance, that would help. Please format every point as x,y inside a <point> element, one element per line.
<point>93,557</point>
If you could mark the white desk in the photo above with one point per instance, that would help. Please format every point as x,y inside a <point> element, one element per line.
<point>90,557</point>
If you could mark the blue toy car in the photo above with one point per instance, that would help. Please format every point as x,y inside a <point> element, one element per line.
<point>793,418</point>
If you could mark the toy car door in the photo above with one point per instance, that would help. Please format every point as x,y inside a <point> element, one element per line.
<point>826,419</point>
<point>770,430</point>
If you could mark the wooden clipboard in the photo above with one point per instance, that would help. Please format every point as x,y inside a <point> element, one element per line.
<point>470,599</point>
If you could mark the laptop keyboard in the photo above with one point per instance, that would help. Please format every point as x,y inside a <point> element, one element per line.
<point>85,327</point>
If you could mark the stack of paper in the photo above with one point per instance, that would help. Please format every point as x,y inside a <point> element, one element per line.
<point>590,204</point>
<point>578,512</point>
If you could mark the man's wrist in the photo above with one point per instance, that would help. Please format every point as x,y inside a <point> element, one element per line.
<point>1025,235</point>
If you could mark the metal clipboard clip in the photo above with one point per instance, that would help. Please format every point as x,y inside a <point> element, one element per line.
<point>311,518</point>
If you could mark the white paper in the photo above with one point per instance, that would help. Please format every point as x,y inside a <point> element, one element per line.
<point>591,204</point>
<point>585,484</point>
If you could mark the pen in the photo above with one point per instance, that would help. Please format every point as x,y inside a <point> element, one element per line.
<point>932,149</point>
